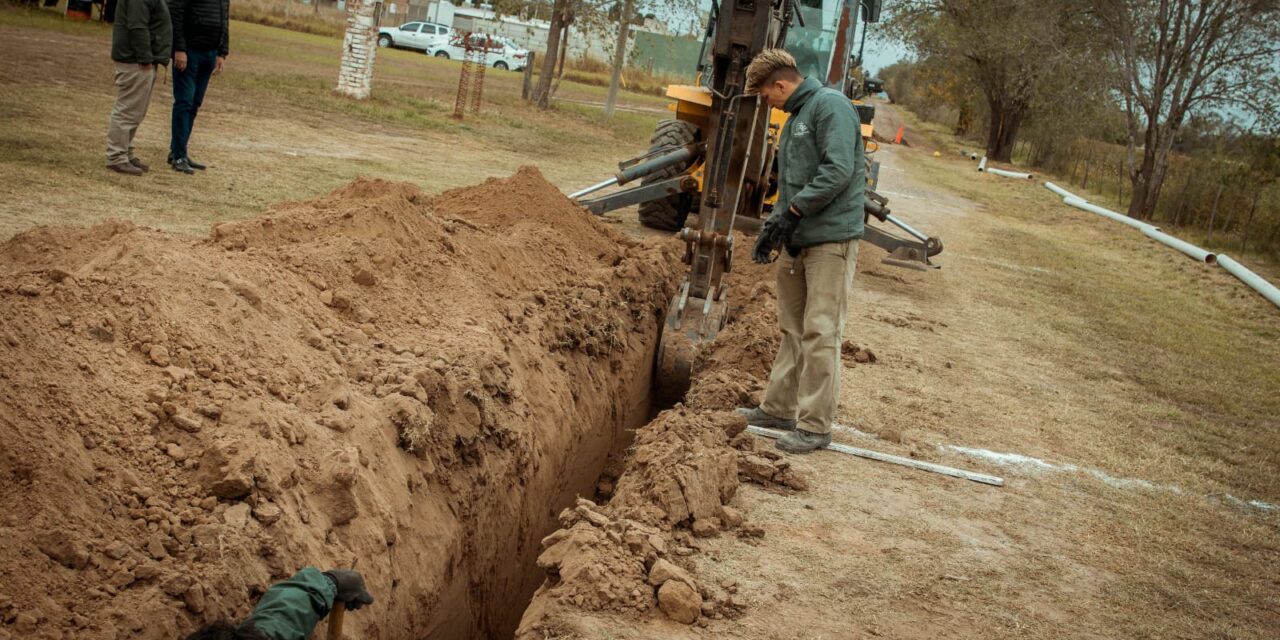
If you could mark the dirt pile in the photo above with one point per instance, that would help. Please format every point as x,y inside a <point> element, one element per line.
<point>409,384</point>
<point>630,554</point>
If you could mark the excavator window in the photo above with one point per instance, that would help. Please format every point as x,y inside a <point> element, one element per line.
<point>812,44</point>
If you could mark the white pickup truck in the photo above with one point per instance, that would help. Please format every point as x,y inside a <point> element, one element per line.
<point>499,52</point>
<point>422,36</point>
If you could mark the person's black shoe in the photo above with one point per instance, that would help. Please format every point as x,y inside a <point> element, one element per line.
<point>180,165</point>
<point>801,441</point>
<point>757,417</point>
<point>195,165</point>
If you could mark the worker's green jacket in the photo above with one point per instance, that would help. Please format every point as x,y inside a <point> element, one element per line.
<point>821,166</point>
<point>142,33</point>
<point>290,609</point>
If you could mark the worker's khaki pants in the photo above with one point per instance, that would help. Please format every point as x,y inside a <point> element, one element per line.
<point>133,95</point>
<point>813,292</point>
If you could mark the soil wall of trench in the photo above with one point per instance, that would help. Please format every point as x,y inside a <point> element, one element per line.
<point>414,386</point>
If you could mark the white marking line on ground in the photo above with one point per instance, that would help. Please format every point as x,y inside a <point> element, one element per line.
<point>1036,465</point>
<point>895,194</point>
<point>1002,265</point>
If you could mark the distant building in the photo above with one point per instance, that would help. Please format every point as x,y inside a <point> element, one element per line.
<point>529,32</point>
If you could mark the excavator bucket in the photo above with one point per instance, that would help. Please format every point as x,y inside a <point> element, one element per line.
<point>691,323</point>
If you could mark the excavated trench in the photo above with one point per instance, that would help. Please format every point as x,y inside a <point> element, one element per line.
<point>414,385</point>
<point>608,415</point>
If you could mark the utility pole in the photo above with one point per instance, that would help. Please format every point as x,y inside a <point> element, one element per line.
<point>619,56</point>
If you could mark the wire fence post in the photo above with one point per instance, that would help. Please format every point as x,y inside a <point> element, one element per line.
<point>1120,183</point>
<point>1213,215</point>
<point>1244,242</point>
<point>527,87</point>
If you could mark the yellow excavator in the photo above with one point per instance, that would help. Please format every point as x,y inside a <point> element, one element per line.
<point>716,159</point>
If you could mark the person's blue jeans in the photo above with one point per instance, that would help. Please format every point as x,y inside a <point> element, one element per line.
<point>188,93</point>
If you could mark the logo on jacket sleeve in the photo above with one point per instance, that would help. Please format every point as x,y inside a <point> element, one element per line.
<point>802,129</point>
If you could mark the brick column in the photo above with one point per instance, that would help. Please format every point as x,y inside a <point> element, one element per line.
<point>359,47</point>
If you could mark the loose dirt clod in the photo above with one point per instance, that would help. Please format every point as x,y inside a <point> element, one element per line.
<point>474,360</point>
<point>680,602</point>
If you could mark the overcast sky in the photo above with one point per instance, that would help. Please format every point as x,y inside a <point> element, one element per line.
<point>879,52</point>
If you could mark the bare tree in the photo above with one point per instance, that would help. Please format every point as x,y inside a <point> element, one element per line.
<point>1007,48</point>
<point>562,15</point>
<point>619,56</point>
<point>1172,58</point>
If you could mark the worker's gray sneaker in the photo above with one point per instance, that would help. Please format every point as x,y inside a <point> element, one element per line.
<point>801,441</point>
<point>758,418</point>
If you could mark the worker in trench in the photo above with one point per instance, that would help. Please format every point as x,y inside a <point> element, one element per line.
<point>290,609</point>
<point>814,228</point>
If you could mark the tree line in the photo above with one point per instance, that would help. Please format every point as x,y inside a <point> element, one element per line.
<point>1157,95</point>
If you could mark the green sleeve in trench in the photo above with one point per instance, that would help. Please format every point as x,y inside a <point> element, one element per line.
<point>290,609</point>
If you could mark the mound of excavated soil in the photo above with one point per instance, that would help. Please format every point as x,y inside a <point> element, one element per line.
<point>629,555</point>
<point>412,385</point>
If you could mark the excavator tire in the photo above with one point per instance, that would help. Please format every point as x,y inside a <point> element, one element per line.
<point>668,214</point>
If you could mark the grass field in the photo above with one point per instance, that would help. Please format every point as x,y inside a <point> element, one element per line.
<point>272,129</point>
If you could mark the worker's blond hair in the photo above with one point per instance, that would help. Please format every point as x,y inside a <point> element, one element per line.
<point>766,65</point>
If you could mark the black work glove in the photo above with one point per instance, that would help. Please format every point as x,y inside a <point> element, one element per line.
<point>775,234</point>
<point>350,587</point>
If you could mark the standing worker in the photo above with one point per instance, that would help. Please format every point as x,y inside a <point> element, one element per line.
<point>815,227</point>
<point>140,40</point>
<point>200,41</point>
<point>290,609</point>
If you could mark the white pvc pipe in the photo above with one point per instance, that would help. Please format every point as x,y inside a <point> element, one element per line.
<point>1190,249</point>
<point>1268,290</point>
<point>995,481</point>
<point>1010,174</point>
<point>1060,191</point>
<point>1107,213</point>
<point>982,164</point>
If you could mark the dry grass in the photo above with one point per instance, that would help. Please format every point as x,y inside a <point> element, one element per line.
<point>294,16</point>
<point>272,129</point>
<point>1200,344</point>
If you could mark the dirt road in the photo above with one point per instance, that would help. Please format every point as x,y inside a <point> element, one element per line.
<point>1116,520</point>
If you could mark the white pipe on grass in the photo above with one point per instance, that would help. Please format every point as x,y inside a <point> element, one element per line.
<point>1268,290</point>
<point>1107,213</point>
<point>1060,191</point>
<point>1010,174</point>
<point>982,164</point>
<point>1190,249</point>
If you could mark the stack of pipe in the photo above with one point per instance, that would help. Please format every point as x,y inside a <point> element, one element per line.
<point>1256,282</point>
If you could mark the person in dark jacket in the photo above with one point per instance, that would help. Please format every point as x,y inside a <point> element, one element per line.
<point>815,227</point>
<point>291,609</point>
<point>140,39</point>
<point>200,47</point>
